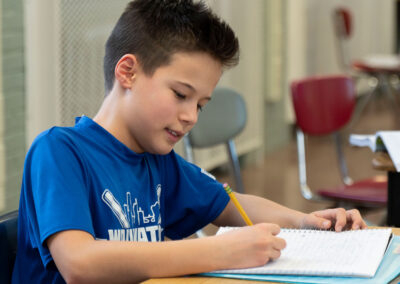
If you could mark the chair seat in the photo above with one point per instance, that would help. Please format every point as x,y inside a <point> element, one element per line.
<point>373,190</point>
<point>387,63</point>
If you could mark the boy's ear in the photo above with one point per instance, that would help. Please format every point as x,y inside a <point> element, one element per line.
<point>125,70</point>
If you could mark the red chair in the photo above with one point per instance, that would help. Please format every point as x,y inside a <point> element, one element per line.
<point>323,105</point>
<point>379,68</point>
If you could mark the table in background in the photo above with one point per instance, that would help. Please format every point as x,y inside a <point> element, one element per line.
<point>382,161</point>
<point>215,280</point>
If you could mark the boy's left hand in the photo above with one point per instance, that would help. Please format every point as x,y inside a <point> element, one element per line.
<point>337,219</point>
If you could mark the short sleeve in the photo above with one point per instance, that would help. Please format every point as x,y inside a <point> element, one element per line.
<point>194,198</point>
<point>56,190</point>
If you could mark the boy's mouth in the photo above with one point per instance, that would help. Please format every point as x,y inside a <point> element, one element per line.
<point>174,135</point>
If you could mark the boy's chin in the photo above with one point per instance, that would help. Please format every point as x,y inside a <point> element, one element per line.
<point>165,152</point>
<point>161,151</point>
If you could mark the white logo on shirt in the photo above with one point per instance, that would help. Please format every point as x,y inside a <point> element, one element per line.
<point>131,215</point>
<point>203,171</point>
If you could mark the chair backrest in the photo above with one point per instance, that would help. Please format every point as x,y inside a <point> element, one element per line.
<point>221,120</point>
<point>323,105</point>
<point>8,245</point>
<point>343,29</point>
<point>343,22</point>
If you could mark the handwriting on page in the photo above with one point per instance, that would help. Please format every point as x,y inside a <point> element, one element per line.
<point>328,252</point>
<point>313,252</point>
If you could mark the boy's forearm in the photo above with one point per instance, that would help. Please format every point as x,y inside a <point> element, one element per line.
<point>80,258</point>
<point>259,210</point>
<point>141,261</point>
<point>132,262</point>
<point>264,210</point>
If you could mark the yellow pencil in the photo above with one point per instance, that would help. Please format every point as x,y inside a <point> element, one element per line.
<point>237,204</point>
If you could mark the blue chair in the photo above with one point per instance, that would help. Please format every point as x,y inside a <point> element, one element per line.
<point>8,245</point>
<point>220,122</point>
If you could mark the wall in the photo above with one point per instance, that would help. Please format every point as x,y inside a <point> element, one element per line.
<point>247,78</point>
<point>311,48</point>
<point>2,153</point>
<point>70,83</point>
<point>12,106</point>
<point>64,60</point>
<point>281,40</point>
<point>277,130</point>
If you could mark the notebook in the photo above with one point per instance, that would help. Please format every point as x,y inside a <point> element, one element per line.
<point>387,271</point>
<point>356,253</point>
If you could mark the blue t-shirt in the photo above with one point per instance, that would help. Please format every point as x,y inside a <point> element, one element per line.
<point>83,178</point>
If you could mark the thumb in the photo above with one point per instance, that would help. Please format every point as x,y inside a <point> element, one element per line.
<point>318,222</point>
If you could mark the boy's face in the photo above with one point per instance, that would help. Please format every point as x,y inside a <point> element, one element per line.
<point>159,110</point>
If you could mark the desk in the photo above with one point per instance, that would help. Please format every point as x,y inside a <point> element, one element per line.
<point>382,161</point>
<point>212,280</point>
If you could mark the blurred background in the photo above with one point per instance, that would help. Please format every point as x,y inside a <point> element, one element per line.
<point>51,71</point>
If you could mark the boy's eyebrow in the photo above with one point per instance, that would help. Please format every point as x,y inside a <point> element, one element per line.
<point>187,85</point>
<point>192,89</point>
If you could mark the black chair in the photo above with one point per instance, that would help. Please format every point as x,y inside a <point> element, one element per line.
<point>8,245</point>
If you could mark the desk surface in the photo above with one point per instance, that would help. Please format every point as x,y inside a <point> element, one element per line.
<point>211,280</point>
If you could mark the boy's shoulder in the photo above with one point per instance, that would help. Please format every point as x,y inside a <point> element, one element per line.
<point>54,133</point>
<point>53,138</point>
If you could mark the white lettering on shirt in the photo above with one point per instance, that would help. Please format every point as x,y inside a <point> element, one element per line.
<point>141,234</point>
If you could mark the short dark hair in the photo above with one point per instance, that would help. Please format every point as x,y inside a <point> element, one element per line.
<point>154,30</point>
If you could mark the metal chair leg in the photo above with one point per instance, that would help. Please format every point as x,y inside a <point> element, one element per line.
<point>361,105</point>
<point>387,88</point>
<point>234,162</point>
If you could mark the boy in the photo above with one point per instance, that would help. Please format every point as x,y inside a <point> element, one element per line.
<point>97,199</point>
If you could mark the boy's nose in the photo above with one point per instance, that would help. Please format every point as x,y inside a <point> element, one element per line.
<point>189,115</point>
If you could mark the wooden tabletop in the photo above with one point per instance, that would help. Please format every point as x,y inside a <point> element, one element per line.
<point>212,280</point>
<point>199,280</point>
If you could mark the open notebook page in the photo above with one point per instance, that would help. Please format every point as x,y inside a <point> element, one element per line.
<point>325,253</point>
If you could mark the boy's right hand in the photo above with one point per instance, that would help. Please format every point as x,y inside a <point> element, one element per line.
<point>251,246</point>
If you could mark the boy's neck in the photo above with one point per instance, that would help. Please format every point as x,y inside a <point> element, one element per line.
<point>110,119</point>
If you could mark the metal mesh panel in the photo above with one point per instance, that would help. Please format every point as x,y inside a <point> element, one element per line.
<point>83,30</point>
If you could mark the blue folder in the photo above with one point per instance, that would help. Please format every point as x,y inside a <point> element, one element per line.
<point>387,271</point>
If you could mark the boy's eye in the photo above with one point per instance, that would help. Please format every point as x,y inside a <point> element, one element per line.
<point>179,95</point>
<point>182,97</point>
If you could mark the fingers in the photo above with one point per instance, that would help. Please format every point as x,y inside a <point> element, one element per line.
<point>269,244</point>
<point>314,221</point>
<point>269,227</point>
<point>279,244</point>
<point>349,220</point>
<point>272,255</point>
<point>269,232</point>
<point>319,219</point>
<point>355,218</point>
<point>340,219</point>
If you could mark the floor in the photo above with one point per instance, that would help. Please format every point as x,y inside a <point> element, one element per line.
<point>276,176</point>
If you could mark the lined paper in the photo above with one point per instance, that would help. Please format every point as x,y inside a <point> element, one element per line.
<point>325,253</point>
